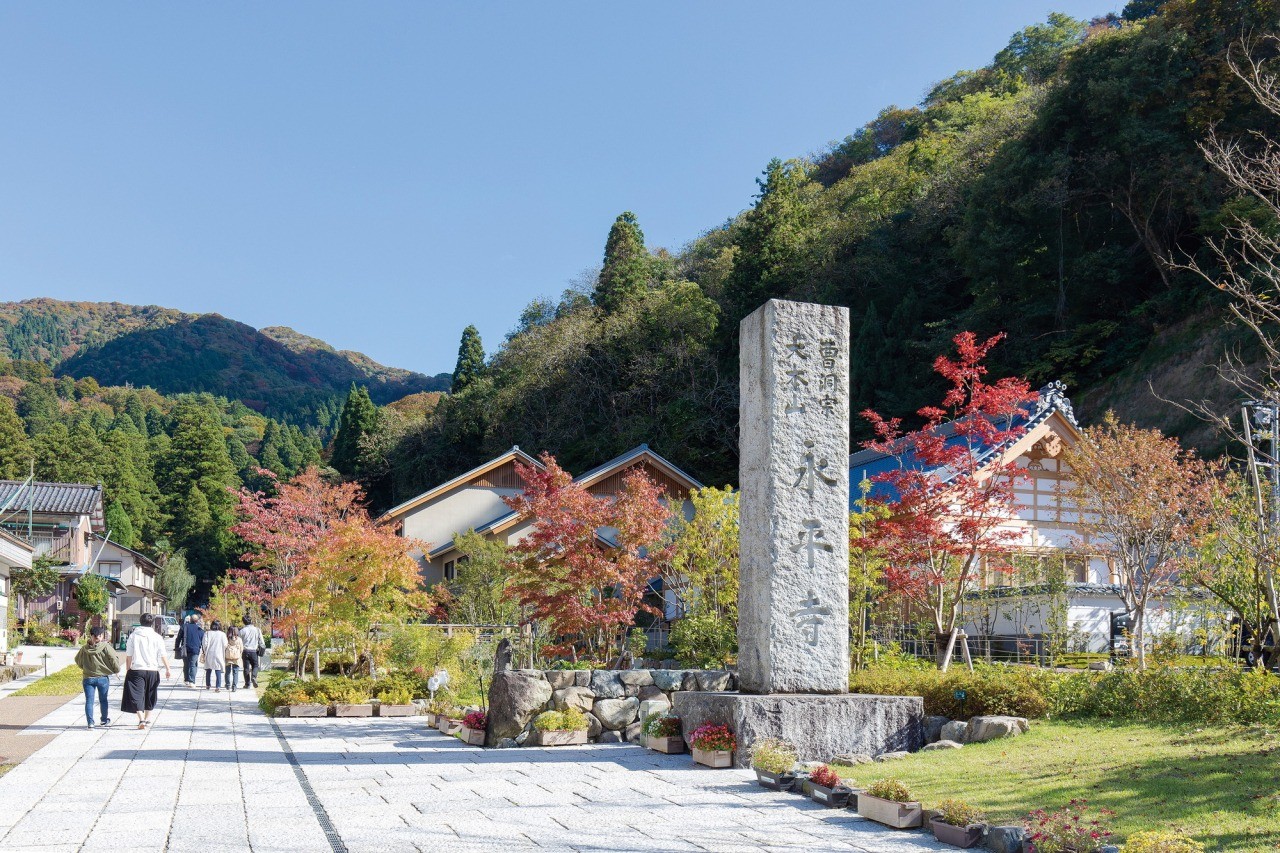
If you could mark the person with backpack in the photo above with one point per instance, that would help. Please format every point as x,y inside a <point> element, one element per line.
<point>254,647</point>
<point>98,661</point>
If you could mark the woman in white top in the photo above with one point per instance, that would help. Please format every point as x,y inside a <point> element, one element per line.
<point>213,655</point>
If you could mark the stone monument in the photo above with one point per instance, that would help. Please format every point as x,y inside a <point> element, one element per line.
<point>793,599</point>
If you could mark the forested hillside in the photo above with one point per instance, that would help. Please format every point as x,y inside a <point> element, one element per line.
<point>1043,195</point>
<point>275,371</point>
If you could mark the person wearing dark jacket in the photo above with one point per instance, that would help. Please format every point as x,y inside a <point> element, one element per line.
<point>98,661</point>
<point>192,637</point>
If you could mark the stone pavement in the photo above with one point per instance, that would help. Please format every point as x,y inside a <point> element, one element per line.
<point>214,775</point>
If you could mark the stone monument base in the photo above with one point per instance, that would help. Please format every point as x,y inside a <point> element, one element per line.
<point>819,726</point>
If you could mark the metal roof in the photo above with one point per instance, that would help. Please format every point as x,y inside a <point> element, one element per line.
<point>514,453</point>
<point>52,498</point>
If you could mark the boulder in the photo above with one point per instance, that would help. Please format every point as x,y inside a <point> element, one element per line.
<point>636,677</point>
<point>853,759</point>
<point>520,739</point>
<point>506,743</point>
<point>669,679</point>
<point>559,679</point>
<point>615,714</point>
<point>573,697</point>
<point>690,681</point>
<point>530,673</point>
<point>632,733</point>
<point>593,727</point>
<point>983,729</point>
<point>652,692</point>
<point>669,663</point>
<point>1004,839</point>
<point>933,728</point>
<point>941,744</point>
<point>513,700</point>
<point>606,684</point>
<point>652,706</point>
<point>1101,666</point>
<point>956,730</point>
<point>713,680</point>
<point>891,756</point>
<point>582,678</point>
<point>609,737</point>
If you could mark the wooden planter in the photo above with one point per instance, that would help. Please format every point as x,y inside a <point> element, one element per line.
<point>558,738</point>
<point>396,710</point>
<point>957,836</point>
<point>669,745</point>
<point>364,709</point>
<point>832,798</point>
<point>718,758</point>
<point>475,737</point>
<point>431,720</point>
<point>891,813</point>
<point>775,781</point>
<point>448,725</point>
<point>308,710</point>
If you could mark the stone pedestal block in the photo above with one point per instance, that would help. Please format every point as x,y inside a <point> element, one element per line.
<point>820,726</point>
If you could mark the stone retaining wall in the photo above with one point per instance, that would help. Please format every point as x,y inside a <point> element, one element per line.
<point>616,702</point>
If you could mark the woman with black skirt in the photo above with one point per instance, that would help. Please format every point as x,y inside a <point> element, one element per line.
<point>143,656</point>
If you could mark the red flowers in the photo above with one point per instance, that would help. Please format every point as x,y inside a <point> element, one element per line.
<point>1067,829</point>
<point>709,738</point>
<point>824,776</point>
<point>476,721</point>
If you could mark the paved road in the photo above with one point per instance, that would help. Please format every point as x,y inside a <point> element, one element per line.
<point>214,774</point>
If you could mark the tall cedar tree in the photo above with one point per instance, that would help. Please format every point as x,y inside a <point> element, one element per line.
<point>628,266</point>
<point>939,529</point>
<point>470,360</point>
<point>588,592</point>
<point>118,524</point>
<point>359,418</point>
<point>15,450</point>
<point>199,479</point>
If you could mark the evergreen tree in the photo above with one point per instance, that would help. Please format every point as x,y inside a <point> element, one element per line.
<point>470,360</point>
<point>15,449</point>
<point>359,417</point>
<point>271,455</point>
<point>199,479</point>
<point>864,359</point>
<point>119,525</point>
<point>628,266</point>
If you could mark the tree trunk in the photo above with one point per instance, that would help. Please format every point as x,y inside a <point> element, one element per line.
<point>946,647</point>
<point>1139,651</point>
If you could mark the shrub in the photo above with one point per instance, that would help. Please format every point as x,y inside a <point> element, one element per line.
<point>773,755</point>
<point>662,725</point>
<point>571,720</point>
<point>959,813</point>
<point>987,690</point>
<point>476,721</point>
<point>1220,694</point>
<point>1068,829</point>
<point>394,695</point>
<point>824,776</point>
<point>346,691</point>
<point>890,789</point>
<point>1161,842</point>
<point>71,635</point>
<point>709,738</point>
<point>704,640</point>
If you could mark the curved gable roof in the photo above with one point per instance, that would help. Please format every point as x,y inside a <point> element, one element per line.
<point>515,453</point>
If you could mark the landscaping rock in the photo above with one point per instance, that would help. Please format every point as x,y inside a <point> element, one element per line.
<point>521,738</point>
<point>593,727</point>
<point>853,759</point>
<point>983,729</point>
<point>1004,839</point>
<point>513,700</point>
<point>609,737</point>
<point>506,743</point>
<point>573,697</point>
<point>940,744</point>
<point>615,714</point>
<point>669,663</point>
<point>636,677</point>
<point>669,679</point>
<point>652,706</point>
<point>690,681</point>
<point>652,692</point>
<point>1101,666</point>
<point>891,756</point>
<point>582,678</point>
<point>606,684</point>
<point>531,673</point>
<point>933,728</point>
<point>632,732</point>
<point>956,730</point>
<point>712,680</point>
<point>561,678</point>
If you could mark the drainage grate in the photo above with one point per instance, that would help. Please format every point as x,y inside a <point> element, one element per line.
<point>335,840</point>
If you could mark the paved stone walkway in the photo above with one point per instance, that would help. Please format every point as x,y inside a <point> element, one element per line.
<point>213,775</point>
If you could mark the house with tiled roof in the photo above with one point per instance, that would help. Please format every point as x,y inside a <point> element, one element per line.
<point>15,553</point>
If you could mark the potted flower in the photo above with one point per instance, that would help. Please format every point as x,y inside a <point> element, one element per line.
<point>298,699</point>
<point>713,746</point>
<point>435,708</point>
<point>958,824</point>
<point>824,786</point>
<point>473,728</point>
<point>774,761</point>
<point>560,728</point>
<point>662,733</point>
<point>889,802</point>
<point>351,700</point>
<point>449,721</point>
<point>1068,830</point>
<point>395,702</point>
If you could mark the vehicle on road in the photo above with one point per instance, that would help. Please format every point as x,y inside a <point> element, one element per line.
<point>171,626</point>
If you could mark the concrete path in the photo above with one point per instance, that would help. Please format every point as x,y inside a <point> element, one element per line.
<point>215,774</point>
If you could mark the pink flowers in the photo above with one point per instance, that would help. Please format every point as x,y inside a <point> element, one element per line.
<point>711,738</point>
<point>476,721</point>
<point>1067,829</point>
<point>824,776</point>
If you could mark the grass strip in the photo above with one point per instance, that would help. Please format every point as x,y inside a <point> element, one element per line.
<point>65,682</point>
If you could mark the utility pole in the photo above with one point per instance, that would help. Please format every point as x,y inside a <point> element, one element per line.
<point>1265,416</point>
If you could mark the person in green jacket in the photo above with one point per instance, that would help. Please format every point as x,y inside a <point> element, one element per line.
<point>99,662</point>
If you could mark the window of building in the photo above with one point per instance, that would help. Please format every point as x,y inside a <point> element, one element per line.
<point>450,570</point>
<point>1077,569</point>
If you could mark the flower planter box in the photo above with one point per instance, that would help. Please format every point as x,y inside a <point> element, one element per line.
<point>396,710</point>
<point>361,710</point>
<point>448,725</point>
<point>775,781</point>
<point>717,758</point>
<point>832,798</point>
<point>308,710</point>
<point>558,738</point>
<point>890,812</point>
<point>669,745</point>
<point>475,737</point>
<point>957,836</point>
<point>431,720</point>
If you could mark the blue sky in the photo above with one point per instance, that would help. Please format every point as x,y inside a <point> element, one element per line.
<point>380,175</point>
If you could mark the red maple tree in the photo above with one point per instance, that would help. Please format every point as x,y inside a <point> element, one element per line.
<point>952,493</point>
<point>586,590</point>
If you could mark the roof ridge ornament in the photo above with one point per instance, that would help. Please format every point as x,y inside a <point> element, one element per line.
<point>1054,396</point>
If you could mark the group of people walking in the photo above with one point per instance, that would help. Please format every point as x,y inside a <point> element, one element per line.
<point>220,652</point>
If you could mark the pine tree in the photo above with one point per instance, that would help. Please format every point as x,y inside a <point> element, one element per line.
<point>119,525</point>
<point>15,449</point>
<point>628,266</point>
<point>199,479</point>
<point>270,456</point>
<point>470,360</point>
<point>864,359</point>
<point>359,417</point>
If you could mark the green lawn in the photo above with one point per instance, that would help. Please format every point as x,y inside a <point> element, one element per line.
<point>64,682</point>
<point>1219,785</point>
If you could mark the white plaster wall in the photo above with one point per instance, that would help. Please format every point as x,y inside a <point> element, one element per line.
<point>437,521</point>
